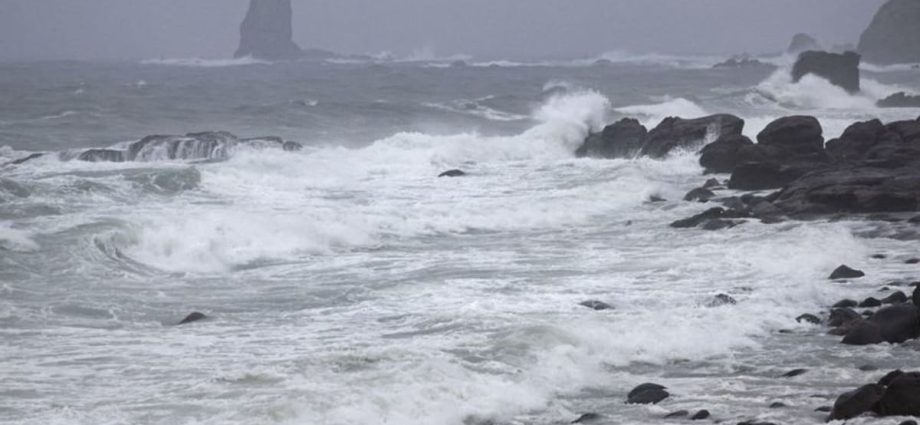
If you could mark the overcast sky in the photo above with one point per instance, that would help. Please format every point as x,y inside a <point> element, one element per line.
<point>138,29</point>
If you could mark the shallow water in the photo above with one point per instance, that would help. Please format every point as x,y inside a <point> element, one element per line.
<point>347,285</point>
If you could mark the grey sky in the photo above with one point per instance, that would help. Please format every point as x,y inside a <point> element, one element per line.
<point>132,29</point>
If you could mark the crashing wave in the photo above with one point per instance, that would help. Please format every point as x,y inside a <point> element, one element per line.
<point>211,145</point>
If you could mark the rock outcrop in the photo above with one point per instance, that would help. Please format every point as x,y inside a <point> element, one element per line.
<point>900,100</point>
<point>841,69</point>
<point>894,34</point>
<point>622,139</point>
<point>802,43</point>
<point>211,145</point>
<point>267,32</point>
<point>628,139</point>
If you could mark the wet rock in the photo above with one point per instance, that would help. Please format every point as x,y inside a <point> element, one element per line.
<point>699,195</point>
<point>849,189</point>
<point>588,418</point>
<point>596,305</point>
<point>910,422</point>
<point>842,316</point>
<point>741,62</point>
<point>879,256</point>
<point>894,324</point>
<point>825,409</point>
<point>795,372</point>
<point>712,183</point>
<point>678,133</point>
<point>895,298</point>
<point>890,377</point>
<point>698,219</point>
<point>26,159</point>
<point>622,139</point>
<point>861,138</point>
<point>720,300</point>
<point>755,422</point>
<point>915,297</point>
<point>291,146</point>
<point>193,317</point>
<point>854,403</point>
<point>868,368</point>
<point>902,397</point>
<point>648,393</point>
<point>870,303</point>
<point>845,272</point>
<point>718,224</point>
<point>913,261</point>
<point>796,135</point>
<point>914,220</point>
<point>809,318</point>
<point>677,414</point>
<point>102,155</point>
<point>762,176</point>
<point>727,152</point>
<point>841,69</point>
<point>452,173</point>
<point>777,405</point>
<point>656,199</point>
<point>702,414</point>
<point>846,304</point>
<point>893,36</point>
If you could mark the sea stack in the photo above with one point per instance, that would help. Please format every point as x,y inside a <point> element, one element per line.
<point>267,32</point>
<point>801,43</point>
<point>894,34</point>
<point>841,69</point>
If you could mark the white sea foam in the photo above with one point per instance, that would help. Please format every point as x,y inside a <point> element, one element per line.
<point>205,63</point>
<point>650,115</point>
<point>12,239</point>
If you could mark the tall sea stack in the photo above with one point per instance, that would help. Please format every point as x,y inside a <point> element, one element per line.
<point>894,34</point>
<point>267,32</point>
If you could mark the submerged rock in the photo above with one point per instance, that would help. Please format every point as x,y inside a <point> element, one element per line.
<point>678,133</point>
<point>452,173</point>
<point>845,272</point>
<point>588,418</point>
<point>893,36</point>
<point>648,393</point>
<point>699,194</point>
<point>193,317</point>
<point>596,305</point>
<point>702,414</point>
<point>841,69</point>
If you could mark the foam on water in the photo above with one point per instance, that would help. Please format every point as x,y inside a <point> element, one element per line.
<point>16,240</point>
<point>205,63</point>
<point>652,114</point>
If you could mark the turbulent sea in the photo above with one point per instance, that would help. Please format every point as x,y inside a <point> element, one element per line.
<point>346,284</point>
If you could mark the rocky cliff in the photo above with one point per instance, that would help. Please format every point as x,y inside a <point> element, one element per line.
<point>894,34</point>
<point>267,32</point>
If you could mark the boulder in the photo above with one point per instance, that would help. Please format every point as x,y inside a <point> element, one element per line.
<point>861,138</point>
<point>808,318</point>
<point>842,317</point>
<point>895,324</point>
<point>622,139</point>
<point>902,397</point>
<point>845,272</point>
<point>796,135</point>
<point>763,176</point>
<point>848,189</point>
<point>870,302</point>
<point>893,36</point>
<point>841,69</point>
<point>648,393</point>
<point>900,100</point>
<point>678,133</point>
<point>699,194</point>
<point>720,300</point>
<point>696,220</point>
<point>801,43</point>
<point>727,152</point>
<point>701,415</point>
<point>193,317</point>
<point>855,403</point>
<point>795,372</point>
<point>895,298</point>
<point>452,173</point>
<point>596,305</point>
<point>267,32</point>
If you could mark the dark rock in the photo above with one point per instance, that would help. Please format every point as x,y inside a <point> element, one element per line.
<point>825,409</point>
<point>868,368</point>
<point>795,135</point>
<point>712,183</point>
<point>870,303</point>
<point>879,256</point>
<point>702,414</point>
<point>842,316</point>
<point>755,422</point>
<point>910,422</point>
<point>678,133</point>
<point>267,32</point>
<point>795,372</point>
<point>656,198</point>
<point>810,318</point>
<point>622,139</point>
<point>900,100</point>
<point>894,324</point>
<point>845,272</point>
<point>914,220</point>
<point>699,219</point>
<point>915,297</point>
<point>741,62</point>
<point>452,173</point>
<point>846,304</point>
<point>777,405</point>
<point>890,377</point>
<point>861,138</point>
<point>854,403</point>
<point>26,159</point>
<point>863,189</point>
<point>763,176</point>
<point>801,43</point>
<point>647,394</point>
<point>720,300</point>
<point>588,418</point>
<point>193,317</point>
<point>895,298</point>
<point>677,414</point>
<point>902,398</point>
<point>596,305</point>
<point>699,195</point>
<point>893,36</point>
<point>718,224</point>
<point>913,261</point>
<point>727,152</point>
<point>102,155</point>
<point>291,146</point>
<point>840,69</point>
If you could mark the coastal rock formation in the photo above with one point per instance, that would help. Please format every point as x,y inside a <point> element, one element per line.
<point>267,32</point>
<point>622,139</point>
<point>211,145</point>
<point>627,138</point>
<point>841,69</point>
<point>900,100</point>
<point>647,394</point>
<point>894,34</point>
<point>802,43</point>
<point>896,394</point>
<point>741,62</point>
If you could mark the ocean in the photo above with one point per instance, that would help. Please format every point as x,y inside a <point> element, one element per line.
<point>346,284</point>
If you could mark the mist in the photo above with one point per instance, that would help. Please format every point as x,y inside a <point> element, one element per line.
<point>139,29</point>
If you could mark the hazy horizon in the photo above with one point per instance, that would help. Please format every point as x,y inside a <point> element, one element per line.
<point>141,29</point>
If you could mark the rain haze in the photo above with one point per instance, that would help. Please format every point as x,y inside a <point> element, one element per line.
<point>134,29</point>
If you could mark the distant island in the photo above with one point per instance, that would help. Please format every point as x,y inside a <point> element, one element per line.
<point>267,33</point>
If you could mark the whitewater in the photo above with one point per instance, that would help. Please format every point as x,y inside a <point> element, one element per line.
<point>345,283</point>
